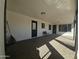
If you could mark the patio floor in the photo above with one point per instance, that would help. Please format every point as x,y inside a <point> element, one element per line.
<point>46,47</point>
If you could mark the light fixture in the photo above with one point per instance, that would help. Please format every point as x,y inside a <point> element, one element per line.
<point>43,13</point>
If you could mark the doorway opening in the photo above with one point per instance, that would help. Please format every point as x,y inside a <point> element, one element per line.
<point>34,28</point>
<point>54,29</point>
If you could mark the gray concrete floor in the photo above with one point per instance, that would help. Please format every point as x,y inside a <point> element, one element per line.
<point>47,47</point>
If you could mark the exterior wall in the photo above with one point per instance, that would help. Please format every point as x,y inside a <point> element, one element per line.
<point>2,53</point>
<point>20,26</point>
<point>68,34</point>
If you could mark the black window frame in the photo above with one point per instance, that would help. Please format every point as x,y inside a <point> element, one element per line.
<point>69,27</point>
<point>60,28</point>
<point>50,27</point>
<point>43,25</point>
<point>65,27</point>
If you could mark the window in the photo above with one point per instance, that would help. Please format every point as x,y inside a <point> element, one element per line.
<point>34,26</point>
<point>43,25</point>
<point>49,27</point>
<point>60,28</point>
<point>69,27</point>
<point>64,27</point>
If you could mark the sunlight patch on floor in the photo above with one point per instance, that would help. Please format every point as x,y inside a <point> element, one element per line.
<point>44,52</point>
<point>64,51</point>
<point>66,40</point>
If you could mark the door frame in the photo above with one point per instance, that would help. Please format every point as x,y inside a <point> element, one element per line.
<point>32,28</point>
<point>55,29</point>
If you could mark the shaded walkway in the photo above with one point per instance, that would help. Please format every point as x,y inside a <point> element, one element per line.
<point>41,48</point>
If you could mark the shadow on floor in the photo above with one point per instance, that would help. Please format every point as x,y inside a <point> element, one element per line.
<point>54,53</point>
<point>27,49</point>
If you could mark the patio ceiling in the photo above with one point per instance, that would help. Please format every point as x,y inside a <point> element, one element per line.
<point>54,11</point>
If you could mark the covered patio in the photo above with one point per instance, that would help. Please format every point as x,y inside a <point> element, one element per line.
<point>42,29</point>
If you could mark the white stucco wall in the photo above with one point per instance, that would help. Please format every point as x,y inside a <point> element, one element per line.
<point>2,29</point>
<point>20,26</point>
